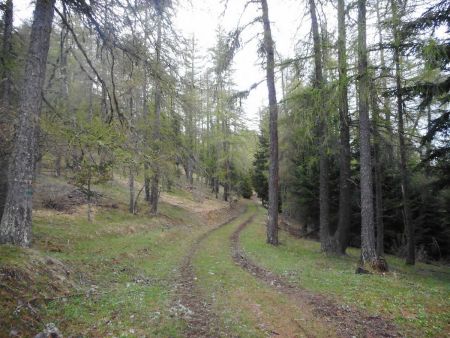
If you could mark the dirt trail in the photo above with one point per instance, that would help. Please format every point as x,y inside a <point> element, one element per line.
<point>190,303</point>
<point>348,322</point>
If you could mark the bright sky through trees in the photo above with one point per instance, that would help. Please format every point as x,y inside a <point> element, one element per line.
<point>290,26</point>
<point>202,20</point>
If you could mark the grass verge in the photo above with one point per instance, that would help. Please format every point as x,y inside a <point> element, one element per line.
<point>415,297</point>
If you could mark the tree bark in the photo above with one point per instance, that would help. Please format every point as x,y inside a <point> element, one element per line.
<point>15,227</point>
<point>89,195</point>
<point>344,150</point>
<point>368,250</point>
<point>378,172</point>
<point>216,187</point>
<point>5,111</point>
<point>7,54</point>
<point>64,94</point>
<point>272,222</point>
<point>154,194</point>
<point>145,114</point>
<point>408,224</point>
<point>132,191</point>
<point>133,140</point>
<point>326,242</point>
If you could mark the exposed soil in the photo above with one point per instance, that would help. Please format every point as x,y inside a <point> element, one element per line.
<point>347,321</point>
<point>190,303</point>
<point>66,198</point>
<point>205,205</point>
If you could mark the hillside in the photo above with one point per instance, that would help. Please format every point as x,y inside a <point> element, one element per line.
<point>200,268</point>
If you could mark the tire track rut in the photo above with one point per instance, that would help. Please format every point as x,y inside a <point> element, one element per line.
<point>348,322</point>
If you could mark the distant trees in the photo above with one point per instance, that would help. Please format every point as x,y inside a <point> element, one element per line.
<point>363,131</point>
<point>326,242</point>
<point>368,154</point>
<point>261,168</point>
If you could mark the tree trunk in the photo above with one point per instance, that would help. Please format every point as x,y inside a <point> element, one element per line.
<point>5,111</point>
<point>154,197</point>
<point>272,222</point>
<point>385,74</point>
<point>132,191</point>
<point>226,192</point>
<point>64,95</point>
<point>326,241</point>
<point>408,224</point>
<point>216,187</point>
<point>378,172</point>
<point>368,250</point>
<point>7,54</point>
<point>145,113</point>
<point>146,182</point>
<point>15,227</point>
<point>344,150</point>
<point>133,140</point>
<point>89,196</point>
<point>58,160</point>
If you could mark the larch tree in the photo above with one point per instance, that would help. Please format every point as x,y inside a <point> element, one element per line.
<point>272,221</point>
<point>369,255</point>
<point>15,226</point>
<point>377,124</point>
<point>5,104</point>
<point>156,126</point>
<point>6,56</point>
<point>408,223</point>
<point>343,227</point>
<point>326,242</point>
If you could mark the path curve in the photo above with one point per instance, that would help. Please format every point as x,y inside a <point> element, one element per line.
<point>190,303</point>
<point>349,322</point>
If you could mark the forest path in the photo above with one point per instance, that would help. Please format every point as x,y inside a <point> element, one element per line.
<point>345,321</point>
<point>220,299</point>
<point>223,293</point>
<point>195,309</point>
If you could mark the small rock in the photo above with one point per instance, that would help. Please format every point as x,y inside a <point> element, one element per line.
<point>14,333</point>
<point>361,270</point>
<point>50,331</point>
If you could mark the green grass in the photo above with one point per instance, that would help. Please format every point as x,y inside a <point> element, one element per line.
<point>416,297</point>
<point>125,267</point>
<point>115,262</point>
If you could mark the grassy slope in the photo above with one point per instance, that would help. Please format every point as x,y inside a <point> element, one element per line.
<point>417,297</point>
<point>124,265</point>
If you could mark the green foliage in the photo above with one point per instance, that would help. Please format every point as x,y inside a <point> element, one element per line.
<point>261,168</point>
<point>245,187</point>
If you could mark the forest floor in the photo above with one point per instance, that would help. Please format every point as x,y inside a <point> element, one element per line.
<point>201,268</point>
